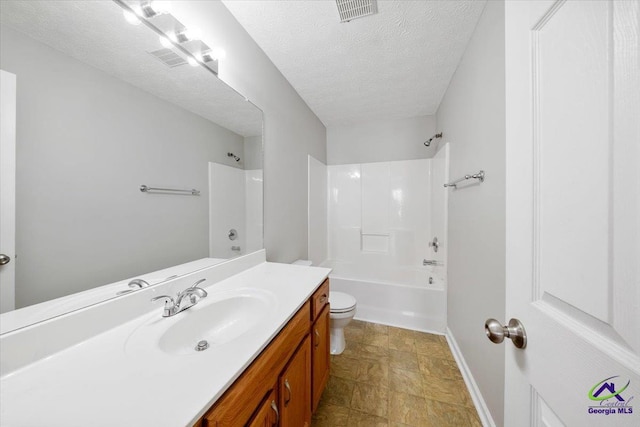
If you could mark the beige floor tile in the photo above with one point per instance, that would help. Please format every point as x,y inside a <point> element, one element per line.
<point>412,382</point>
<point>443,414</point>
<point>344,367</point>
<point>453,392</point>
<point>353,334</point>
<point>371,399</point>
<point>361,419</point>
<point>403,360</point>
<point>330,416</point>
<point>409,382</point>
<point>441,368</point>
<point>433,348</point>
<point>373,371</point>
<point>402,339</point>
<point>357,324</point>
<point>363,351</point>
<point>377,328</point>
<point>338,392</point>
<point>407,409</point>
<point>375,338</point>
<point>425,336</point>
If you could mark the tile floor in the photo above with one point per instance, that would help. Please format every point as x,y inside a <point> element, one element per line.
<point>394,377</point>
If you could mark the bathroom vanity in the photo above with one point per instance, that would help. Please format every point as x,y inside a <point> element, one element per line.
<point>122,363</point>
<point>286,381</point>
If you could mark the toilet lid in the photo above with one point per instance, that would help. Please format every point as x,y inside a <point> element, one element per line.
<point>341,302</point>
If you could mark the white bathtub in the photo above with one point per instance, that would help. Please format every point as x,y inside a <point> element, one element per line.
<point>401,297</point>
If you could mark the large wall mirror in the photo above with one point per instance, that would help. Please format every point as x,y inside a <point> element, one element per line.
<point>103,108</point>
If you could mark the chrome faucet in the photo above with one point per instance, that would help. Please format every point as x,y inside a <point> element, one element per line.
<point>430,262</point>
<point>173,307</point>
<point>134,285</point>
<point>138,283</point>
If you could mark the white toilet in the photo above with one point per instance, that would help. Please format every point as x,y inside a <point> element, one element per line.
<point>343,308</point>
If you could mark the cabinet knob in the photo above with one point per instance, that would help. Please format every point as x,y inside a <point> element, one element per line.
<point>317,338</point>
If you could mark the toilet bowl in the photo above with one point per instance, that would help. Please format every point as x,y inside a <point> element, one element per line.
<point>343,308</point>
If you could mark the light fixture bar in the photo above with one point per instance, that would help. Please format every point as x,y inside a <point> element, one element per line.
<point>211,66</point>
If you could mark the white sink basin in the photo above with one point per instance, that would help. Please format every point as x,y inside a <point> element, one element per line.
<point>220,318</point>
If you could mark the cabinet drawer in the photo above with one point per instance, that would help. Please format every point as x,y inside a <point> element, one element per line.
<point>319,299</point>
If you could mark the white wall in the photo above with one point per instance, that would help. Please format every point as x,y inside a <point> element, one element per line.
<point>472,117</point>
<point>381,141</point>
<point>291,129</point>
<point>318,233</point>
<point>87,139</point>
<point>252,157</point>
<point>254,210</point>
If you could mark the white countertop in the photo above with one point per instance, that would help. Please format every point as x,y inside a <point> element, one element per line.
<point>97,381</point>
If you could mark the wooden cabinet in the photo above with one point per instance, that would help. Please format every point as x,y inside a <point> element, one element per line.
<point>295,389</point>
<point>267,414</point>
<point>285,382</point>
<point>319,299</point>
<point>320,356</point>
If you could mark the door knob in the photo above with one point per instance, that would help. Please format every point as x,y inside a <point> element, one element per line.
<point>514,330</point>
<point>4,259</point>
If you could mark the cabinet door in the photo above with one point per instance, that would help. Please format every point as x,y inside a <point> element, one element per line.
<point>267,414</point>
<point>295,389</point>
<point>320,356</point>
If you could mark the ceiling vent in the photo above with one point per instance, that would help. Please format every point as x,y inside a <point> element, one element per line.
<point>168,57</point>
<point>352,9</point>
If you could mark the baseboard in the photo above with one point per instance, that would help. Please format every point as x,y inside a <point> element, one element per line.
<point>476,396</point>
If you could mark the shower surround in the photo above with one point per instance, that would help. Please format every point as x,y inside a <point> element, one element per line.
<point>381,218</point>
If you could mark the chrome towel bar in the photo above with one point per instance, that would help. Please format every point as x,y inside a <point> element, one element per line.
<point>479,176</point>
<point>192,192</point>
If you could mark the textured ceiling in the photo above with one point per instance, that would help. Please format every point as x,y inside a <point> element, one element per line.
<point>96,33</point>
<point>395,64</point>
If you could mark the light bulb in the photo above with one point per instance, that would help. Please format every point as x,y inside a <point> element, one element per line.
<point>161,6</point>
<point>192,33</point>
<point>192,61</point>
<point>217,53</point>
<point>165,42</point>
<point>173,37</point>
<point>131,17</point>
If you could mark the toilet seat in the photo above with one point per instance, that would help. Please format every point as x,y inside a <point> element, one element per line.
<point>341,302</point>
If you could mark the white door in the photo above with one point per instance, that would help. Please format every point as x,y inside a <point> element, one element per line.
<point>573,212</point>
<point>7,189</point>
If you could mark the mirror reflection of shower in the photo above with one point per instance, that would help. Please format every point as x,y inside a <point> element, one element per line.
<point>428,141</point>
<point>236,158</point>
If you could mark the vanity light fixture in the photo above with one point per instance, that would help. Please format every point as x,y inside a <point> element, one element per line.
<point>131,17</point>
<point>155,8</point>
<point>185,42</point>
<point>165,42</point>
<point>192,61</point>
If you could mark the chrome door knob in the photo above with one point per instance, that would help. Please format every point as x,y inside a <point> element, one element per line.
<point>514,330</point>
<point>4,259</point>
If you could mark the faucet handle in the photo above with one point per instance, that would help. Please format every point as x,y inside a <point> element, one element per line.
<point>169,304</point>
<point>195,285</point>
